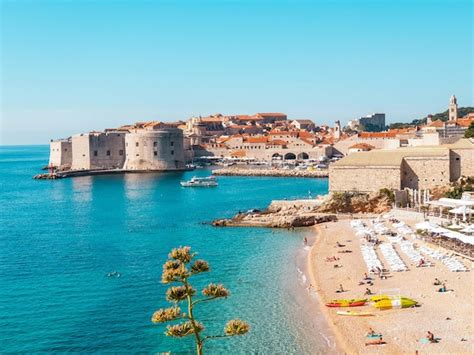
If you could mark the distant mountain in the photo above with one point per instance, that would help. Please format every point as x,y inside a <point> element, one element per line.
<point>443,116</point>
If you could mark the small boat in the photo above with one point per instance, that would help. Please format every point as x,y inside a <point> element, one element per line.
<point>357,302</point>
<point>200,182</point>
<point>354,313</point>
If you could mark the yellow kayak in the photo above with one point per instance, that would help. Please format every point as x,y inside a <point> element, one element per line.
<point>354,313</point>
<point>393,302</point>
<point>357,302</point>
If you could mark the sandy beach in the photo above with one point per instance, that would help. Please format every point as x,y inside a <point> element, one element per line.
<point>448,316</point>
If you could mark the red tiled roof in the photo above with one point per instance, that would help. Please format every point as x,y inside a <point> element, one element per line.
<point>377,134</point>
<point>437,124</point>
<point>257,139</point>
<point>465,122</point>
<point>277,142</point>
<point>364,146</point>
<point>238,153</point>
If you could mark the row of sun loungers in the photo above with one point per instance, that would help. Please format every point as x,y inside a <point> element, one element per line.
<point>370,257</point>
<point>411,252</point>
<point>389,253</point>
<point>451,263</point>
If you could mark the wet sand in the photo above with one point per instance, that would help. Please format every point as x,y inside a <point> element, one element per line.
<point>449,316</point>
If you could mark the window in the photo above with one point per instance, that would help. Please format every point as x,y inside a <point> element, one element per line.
<point>457,158</point>
<point>136,144</point>
<point>172,143</point>
<point>155,153</point>
<point>108,152</point>
<point>65,149</point>
<point>95,153</point>
<point>120,152</point>
<point>155,144</point>
<point>172,152</point>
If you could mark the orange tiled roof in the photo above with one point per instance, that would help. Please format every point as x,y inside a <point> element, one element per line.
<point>257,139</point>
<point>377,134</point>
<point>362,146</point>
<point>279,114</point>
<point>436,124</point>
<point>305,134</point>
<point>465,122</point>
<point>277,142</point>
<point>238,153</point>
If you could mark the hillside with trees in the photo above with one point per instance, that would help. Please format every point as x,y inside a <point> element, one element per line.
<point>443,116</point>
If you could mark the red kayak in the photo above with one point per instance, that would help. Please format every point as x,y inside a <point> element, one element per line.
<point>347,303</point>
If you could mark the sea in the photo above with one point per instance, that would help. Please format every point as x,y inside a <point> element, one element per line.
<point>61,239</point>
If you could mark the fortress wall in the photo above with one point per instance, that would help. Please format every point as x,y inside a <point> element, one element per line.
<point>60,154</point>
<point>425,172</point>
<point>107,150</point>
<point>154,150</point>
<point>462,163</point>
<point>363,178</point>
<point>80,152</point>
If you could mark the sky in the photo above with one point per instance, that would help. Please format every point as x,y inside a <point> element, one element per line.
<point>75,66</point>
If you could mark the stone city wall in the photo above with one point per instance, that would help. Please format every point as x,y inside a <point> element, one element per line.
<point>363,178</point>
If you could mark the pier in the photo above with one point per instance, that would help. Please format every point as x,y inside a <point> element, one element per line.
<point>245,171</point>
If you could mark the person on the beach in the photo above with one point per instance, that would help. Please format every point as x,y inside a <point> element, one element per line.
<point>430,337</point>
<point>367,292</point>
<point>421,262</point>
<point>310,287</point>
<point>305,241</point>
<point>370,332</point>
<point>443,288</point>
<point>378,341</point>
<point>340,289</point>
<point>436,282</point>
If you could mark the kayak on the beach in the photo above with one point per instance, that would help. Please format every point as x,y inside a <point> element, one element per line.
<point>386,302</point>
<point>354,313</point>
<point>357,302</point>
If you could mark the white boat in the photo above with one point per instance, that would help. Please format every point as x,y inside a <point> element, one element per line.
<point>200,182</point>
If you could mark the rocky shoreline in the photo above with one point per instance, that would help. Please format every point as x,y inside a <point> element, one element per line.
<point>280,214</point>
<point>244,171</point>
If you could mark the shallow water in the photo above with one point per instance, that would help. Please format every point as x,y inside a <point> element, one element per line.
<point>59,239</point>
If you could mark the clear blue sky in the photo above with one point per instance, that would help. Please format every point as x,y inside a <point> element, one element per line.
<point>73,66</point>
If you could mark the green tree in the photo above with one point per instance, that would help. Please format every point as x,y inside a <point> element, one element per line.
<point>470,131</point>
<point>178,269</point>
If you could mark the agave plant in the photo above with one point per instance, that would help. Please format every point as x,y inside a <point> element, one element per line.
<point>178,269</point>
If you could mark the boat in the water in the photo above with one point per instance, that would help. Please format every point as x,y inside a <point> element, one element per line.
<point>357,302</point>
<point>200,182</point>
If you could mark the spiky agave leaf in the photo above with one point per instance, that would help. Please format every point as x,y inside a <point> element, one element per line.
<point>179,293</point>
<point>182,254</point>
<point>166,315</point>
<point>236,327</point>
<point>215,290</point>
<point>183,329</point>
<point>200,266</point>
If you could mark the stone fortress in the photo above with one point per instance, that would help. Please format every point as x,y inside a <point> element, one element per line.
<point>151,146</point>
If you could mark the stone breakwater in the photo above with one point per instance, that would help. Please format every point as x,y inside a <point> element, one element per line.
<point>280,214</point>
<point>241,171</point>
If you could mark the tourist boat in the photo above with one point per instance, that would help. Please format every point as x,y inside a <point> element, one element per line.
<point>357,302</point>
<point>200,182</point>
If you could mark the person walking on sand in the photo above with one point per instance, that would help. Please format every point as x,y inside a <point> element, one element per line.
<point>305,241</point>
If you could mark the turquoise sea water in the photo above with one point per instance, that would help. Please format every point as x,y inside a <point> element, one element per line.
<point>59,239</point>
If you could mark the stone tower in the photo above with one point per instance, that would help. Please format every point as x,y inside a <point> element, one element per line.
<point>453,108</point>
<point>337,130</point>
